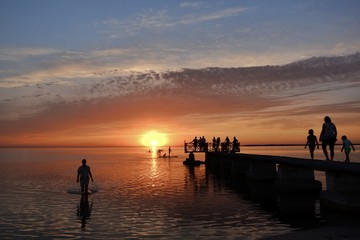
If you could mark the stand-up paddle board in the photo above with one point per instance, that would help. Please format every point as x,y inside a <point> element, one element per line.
<point>78,191</point>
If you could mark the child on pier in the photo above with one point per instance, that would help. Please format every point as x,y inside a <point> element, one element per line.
<point>312,142</point>
<point>347,145</point>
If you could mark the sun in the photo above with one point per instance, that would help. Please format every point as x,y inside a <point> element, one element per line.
<point>153,139</point>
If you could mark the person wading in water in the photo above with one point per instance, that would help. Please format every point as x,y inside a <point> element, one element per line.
<point>84,175</point>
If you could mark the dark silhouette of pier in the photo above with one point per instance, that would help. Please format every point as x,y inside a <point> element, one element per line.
<point>293,176</point>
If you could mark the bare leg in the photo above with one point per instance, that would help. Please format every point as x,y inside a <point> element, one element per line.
<point>332,147</point>
<point>86,189</point>
<point>312,155</point>
<point>347,158</point>
<point>332,155</point>
<point>326,153</point>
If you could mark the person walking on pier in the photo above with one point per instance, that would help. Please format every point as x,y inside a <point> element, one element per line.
<point>347,145</point>
<point>312,142</point>
<point>328,137</point>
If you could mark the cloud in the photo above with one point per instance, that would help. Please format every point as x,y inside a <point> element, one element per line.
<point>146,20</point>
<point>190,4</point>
<point>61,74</point>
<point>226,13</point>
<point>196,101</point>
<point>160,20</point>
<point>19,54</point>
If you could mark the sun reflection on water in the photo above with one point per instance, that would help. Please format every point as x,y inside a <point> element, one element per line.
<point>154,162</point>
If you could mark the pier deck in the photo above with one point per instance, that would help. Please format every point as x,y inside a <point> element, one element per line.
<point>319,165</point>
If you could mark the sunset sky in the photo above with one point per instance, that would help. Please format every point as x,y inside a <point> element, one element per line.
<point>68,70</point>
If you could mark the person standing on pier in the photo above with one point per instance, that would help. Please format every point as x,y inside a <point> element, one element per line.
<point>195,142</point>
<point>347,145</point>
<point>227,143</point>
<point>312,142</point>
<point>218,141</point>
<point>328,137</point>
<point>235,145</point>
<point>214,144</point>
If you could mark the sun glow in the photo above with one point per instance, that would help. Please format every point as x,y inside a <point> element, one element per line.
<point>153,139</point>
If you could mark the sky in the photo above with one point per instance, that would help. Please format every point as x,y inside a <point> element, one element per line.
<point>69,70</point>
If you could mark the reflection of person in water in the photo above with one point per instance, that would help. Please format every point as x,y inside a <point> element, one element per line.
<point>84,174</point>
<point>84,210</point>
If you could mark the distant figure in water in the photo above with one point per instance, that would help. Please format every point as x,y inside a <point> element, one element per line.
<point>84,174</point>
<point>312,142</point>
<point>169,151</point>
<point>347,145</point>
<point>328,136</point>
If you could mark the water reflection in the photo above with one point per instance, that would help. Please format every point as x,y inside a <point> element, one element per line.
<point>196,179</point>
<point>154,157</point>
<point>84,210</point>
<point>299,210</point>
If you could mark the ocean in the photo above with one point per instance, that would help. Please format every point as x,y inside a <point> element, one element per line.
<point>138,196</point>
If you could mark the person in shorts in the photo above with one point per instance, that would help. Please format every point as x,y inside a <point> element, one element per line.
<point>312,142</point>
<point>84,175</point>
<point>328,137</point>
<point>347,145</point>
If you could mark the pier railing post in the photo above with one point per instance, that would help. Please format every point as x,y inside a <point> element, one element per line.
<point>342,191</point>
<point>296,178</point>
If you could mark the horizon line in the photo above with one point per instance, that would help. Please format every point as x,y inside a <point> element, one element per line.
<point>120,146</point>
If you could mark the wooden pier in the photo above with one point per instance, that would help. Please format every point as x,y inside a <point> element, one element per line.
<point>294,176</point>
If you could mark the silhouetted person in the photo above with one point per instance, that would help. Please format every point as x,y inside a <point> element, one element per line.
<point>347,145</point>
<point>214,144</point>
<point>195,142</point>
<point>191,157</point>
<point>328,137</point>
<point>204,144</point>
<point>84,174</point>
<point>218,141</point>
<point>235,145</point>
<point>312,142</point>
<point>227,143</point>
<point>159,152</point>
<point>169,151</point>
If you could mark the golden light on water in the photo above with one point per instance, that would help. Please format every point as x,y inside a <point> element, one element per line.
<point>153,139</point>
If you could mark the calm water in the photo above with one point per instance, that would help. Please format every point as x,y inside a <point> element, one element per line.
<point>139,196</point>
